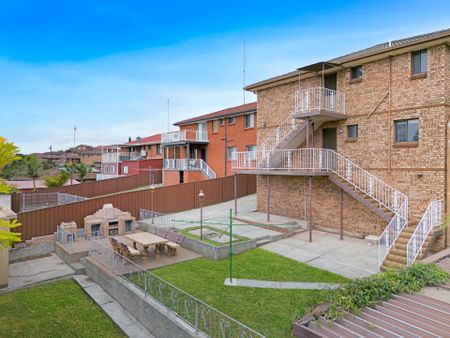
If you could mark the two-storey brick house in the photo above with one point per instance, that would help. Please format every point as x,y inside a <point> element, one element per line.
<point>204,146</point>
<point>359,144</point>
<point>132,158</point>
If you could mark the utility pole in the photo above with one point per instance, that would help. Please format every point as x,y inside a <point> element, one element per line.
<point>74,131</point>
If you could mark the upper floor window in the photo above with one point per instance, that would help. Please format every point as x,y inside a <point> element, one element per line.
<point>222,122</point>
<point>356,73</point>
<point>249,121</point>
<point>352,131</point>
<point>215,126</point>
<point>232,120</point>
<point>407,130</point>
<point>250,147</point>
<point>232,153</point>
<point>419,62</point>
<point>158,149</point>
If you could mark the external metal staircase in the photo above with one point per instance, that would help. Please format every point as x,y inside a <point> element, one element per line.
<point>402,241</point>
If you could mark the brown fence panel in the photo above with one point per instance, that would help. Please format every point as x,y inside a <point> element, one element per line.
<point>169,199</point>
<point>16,201</point>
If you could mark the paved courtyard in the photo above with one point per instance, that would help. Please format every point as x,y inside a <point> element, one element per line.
<point>351,257</point>
<point>217,216</point>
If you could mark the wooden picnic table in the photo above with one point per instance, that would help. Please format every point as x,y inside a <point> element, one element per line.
<point>146,239</point>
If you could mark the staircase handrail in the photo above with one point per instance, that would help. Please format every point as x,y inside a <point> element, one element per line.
<point>431,218</point>
<point>207,170</point>
<point>280,133</point>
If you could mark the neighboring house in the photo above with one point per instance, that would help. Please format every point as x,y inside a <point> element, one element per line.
<point>88,155</point>
<point>58,158</point>
<point>204,145</point>
<point>132,158</point>
<point>385,109</point>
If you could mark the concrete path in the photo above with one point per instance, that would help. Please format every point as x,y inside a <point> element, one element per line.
<point>254,283</point>
<point>37,271</point>
<point>351,257</point>
<point>123,319</point>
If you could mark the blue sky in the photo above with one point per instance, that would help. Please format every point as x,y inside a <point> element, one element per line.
<point>109,67</point>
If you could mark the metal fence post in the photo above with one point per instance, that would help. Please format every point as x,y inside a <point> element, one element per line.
<point>196,317</point>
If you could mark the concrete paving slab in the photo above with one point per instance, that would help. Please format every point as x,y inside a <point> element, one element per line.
<point>123,319</point>
<point>37,271</point>
<point>254,283</point>
<point>351,257</point>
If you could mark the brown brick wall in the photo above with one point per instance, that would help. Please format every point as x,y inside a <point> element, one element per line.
<point>417,171</point>
<point>289,197</point>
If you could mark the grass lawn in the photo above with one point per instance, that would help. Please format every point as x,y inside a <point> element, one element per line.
<point>268,311</point>
<point>59,309</point>
<point>187,233</point>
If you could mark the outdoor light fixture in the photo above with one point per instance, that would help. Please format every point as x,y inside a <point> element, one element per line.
<point>201,198</point>
<point>152,190</point>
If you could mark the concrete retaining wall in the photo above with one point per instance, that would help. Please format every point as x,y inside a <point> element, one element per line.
<point>27,250</point>
<point>217,252</point>
<point>159,320</point>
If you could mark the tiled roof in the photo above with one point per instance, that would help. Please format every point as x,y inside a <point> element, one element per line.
<point>379,48</point>
<point>146,140</point>
<point>242,109</point>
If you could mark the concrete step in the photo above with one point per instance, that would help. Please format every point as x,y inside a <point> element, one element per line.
<point>396,258</point>
<point>78,268</point>
<point>398,252</point>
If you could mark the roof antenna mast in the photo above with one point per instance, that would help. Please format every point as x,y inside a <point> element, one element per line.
<point>168,115</point>
<point>243,74</point>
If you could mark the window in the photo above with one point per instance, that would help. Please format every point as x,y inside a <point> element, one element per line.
<point>112,169</point>
<point>222,122</point>
<point>407,130</point>
<point>215,126</point>
<point>252,151</point>
<point>352,131</point>
<point>105,168</point>
<point>232,120</point>
<point>249,121</point>
<point>232,153</point>
<point>356,73</point>
<point>158,149</point>
<point>125,169</point>
<point>419,62</point>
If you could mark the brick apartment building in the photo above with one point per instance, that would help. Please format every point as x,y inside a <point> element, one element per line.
<point>359,144</point>
<point>204,145</point>
<point>132,158</point>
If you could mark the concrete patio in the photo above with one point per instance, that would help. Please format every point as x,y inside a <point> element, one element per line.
<point>351,257</point>
<point>248,223</point>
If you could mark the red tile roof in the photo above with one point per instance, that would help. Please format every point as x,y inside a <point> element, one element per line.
<point>146,140</point>
<point>242,109</point>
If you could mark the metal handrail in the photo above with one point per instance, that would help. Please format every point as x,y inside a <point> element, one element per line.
<point>431,219</point>
<point>319,98</point>
<point>183,136</point>
<point>201,316</point>
<point>328,160</point>
<point>286,127</point>
<point>207,170</point>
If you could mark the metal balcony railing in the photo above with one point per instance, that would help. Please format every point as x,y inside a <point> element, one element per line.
<point>319,99</point>
<point>189,164</point>
<point>184,136</point>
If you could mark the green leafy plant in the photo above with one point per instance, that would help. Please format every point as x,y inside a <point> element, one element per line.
<point>354,296</point>
<point>8,154</point>
<point>445,222</point>
<point>70,168</point>
<point>83,169</point>
<point>33,168</point>
<point>56,181</point>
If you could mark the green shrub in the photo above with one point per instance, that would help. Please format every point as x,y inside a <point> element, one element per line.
<point>354,296</point>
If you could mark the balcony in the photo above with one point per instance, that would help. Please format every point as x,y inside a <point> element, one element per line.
<point>320,103</point>
<point>187,164</point>
<point>184,136</point>
<point>121,156</point>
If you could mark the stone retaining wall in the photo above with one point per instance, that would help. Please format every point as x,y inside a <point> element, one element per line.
<point>159,320</point>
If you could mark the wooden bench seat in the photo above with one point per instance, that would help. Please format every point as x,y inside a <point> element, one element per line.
<point>171,248</point>
<point>128,251</point>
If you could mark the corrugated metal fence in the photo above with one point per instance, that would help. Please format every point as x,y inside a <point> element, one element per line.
<point>97,188</point>
<point>169,199</point>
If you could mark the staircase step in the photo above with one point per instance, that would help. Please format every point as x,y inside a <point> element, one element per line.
<point>391,264</point>
<point>396,258</point>
<point>398,251</point>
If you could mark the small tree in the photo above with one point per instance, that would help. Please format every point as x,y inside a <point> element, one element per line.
<point>8,153</point>
<point>33,168</point>
<point>83,169</point>
<point>70,168</point>
<point>56,181</point>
